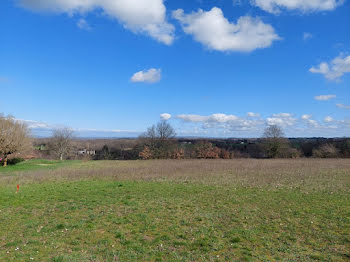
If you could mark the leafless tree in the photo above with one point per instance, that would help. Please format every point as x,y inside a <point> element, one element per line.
<point>158,138</point>
<point>274,141</point>
<point>61,142</point>
<point>165,130</point>
<point>14,137</point>
<point>273,131</point>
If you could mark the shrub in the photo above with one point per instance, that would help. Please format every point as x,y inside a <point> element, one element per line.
<point>326,151</point>
<point>12,161</point>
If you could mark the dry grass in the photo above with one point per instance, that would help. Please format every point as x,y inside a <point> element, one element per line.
<point>320,174</point>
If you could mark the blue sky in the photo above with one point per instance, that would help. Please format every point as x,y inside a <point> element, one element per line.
<point>211,68</point>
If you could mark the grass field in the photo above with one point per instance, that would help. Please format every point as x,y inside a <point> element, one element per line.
<point>186,210</point>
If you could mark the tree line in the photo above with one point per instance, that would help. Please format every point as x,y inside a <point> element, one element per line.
<point>160,142</point>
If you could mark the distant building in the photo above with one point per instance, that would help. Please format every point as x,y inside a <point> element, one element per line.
<point>87,152</point>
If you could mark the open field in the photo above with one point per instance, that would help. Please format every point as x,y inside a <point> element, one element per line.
<point>176,210</point>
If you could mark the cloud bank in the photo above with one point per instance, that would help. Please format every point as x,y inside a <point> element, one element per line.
<point>42,129</point>
<point>227,125</point>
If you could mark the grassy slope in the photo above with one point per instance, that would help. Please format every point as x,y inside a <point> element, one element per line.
<point>37,164</point>
<point>106,220</point>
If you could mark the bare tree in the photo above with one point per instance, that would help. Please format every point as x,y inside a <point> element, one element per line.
<point>165,130</point>
<point>14,137</point>
<point>273,131</point>
<point>158,139</point>
<point>274,141</point>
<point>61,142</point>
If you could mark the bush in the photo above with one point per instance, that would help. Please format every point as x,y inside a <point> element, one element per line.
<point>14,161</point>
<point>326,151</point>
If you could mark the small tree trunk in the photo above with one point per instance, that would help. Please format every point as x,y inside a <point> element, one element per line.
<point>5,161</point>
<point>61,157</point>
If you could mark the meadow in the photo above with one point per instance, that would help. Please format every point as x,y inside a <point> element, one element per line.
<point>176,210</point>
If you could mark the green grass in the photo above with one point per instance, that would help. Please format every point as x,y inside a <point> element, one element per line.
<point>37,164</point>
<point>93,219</point>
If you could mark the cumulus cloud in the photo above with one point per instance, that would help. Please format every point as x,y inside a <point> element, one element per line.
<point>343,106</point>
<point>307,119</point>
<point>222,121</point>
<point>281,119</point>
<point>333,70</point>
<point>152,75</point>
<point>165,116</point>
<point>325,97</point>
<point>275,6</point>
<point>140,16</point>
<point>215,32</point>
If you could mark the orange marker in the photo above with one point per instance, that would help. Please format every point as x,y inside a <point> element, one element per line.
<point>17,188</point>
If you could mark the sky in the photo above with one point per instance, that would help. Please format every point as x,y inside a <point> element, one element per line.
<point>211,68</point>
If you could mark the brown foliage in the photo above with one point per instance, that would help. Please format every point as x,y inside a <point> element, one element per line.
<point>224,154</point>
<point>206,150</point>
<point>178,153</point>
<point>146,153</point>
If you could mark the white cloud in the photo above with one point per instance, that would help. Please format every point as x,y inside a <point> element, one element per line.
<point>284,115</point>
<point>275,6</point>
<point>165,116</point>
<point>281,119</point>
<point>231,125</point>
<point>222,121</point>
<point>324,97</point>
<point>43,129</point>
<point>333,70</point>
<point>343,106</point>
<point>251,114</point>
<point>215,32</point>
<point>140,16</point>
<point>32,124</point>
<point>306,117</point>
<point>328,119</point>
<point>148,76</point>
<point>307,36</point>
<point>219,118</point>
<point>83,24</point>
